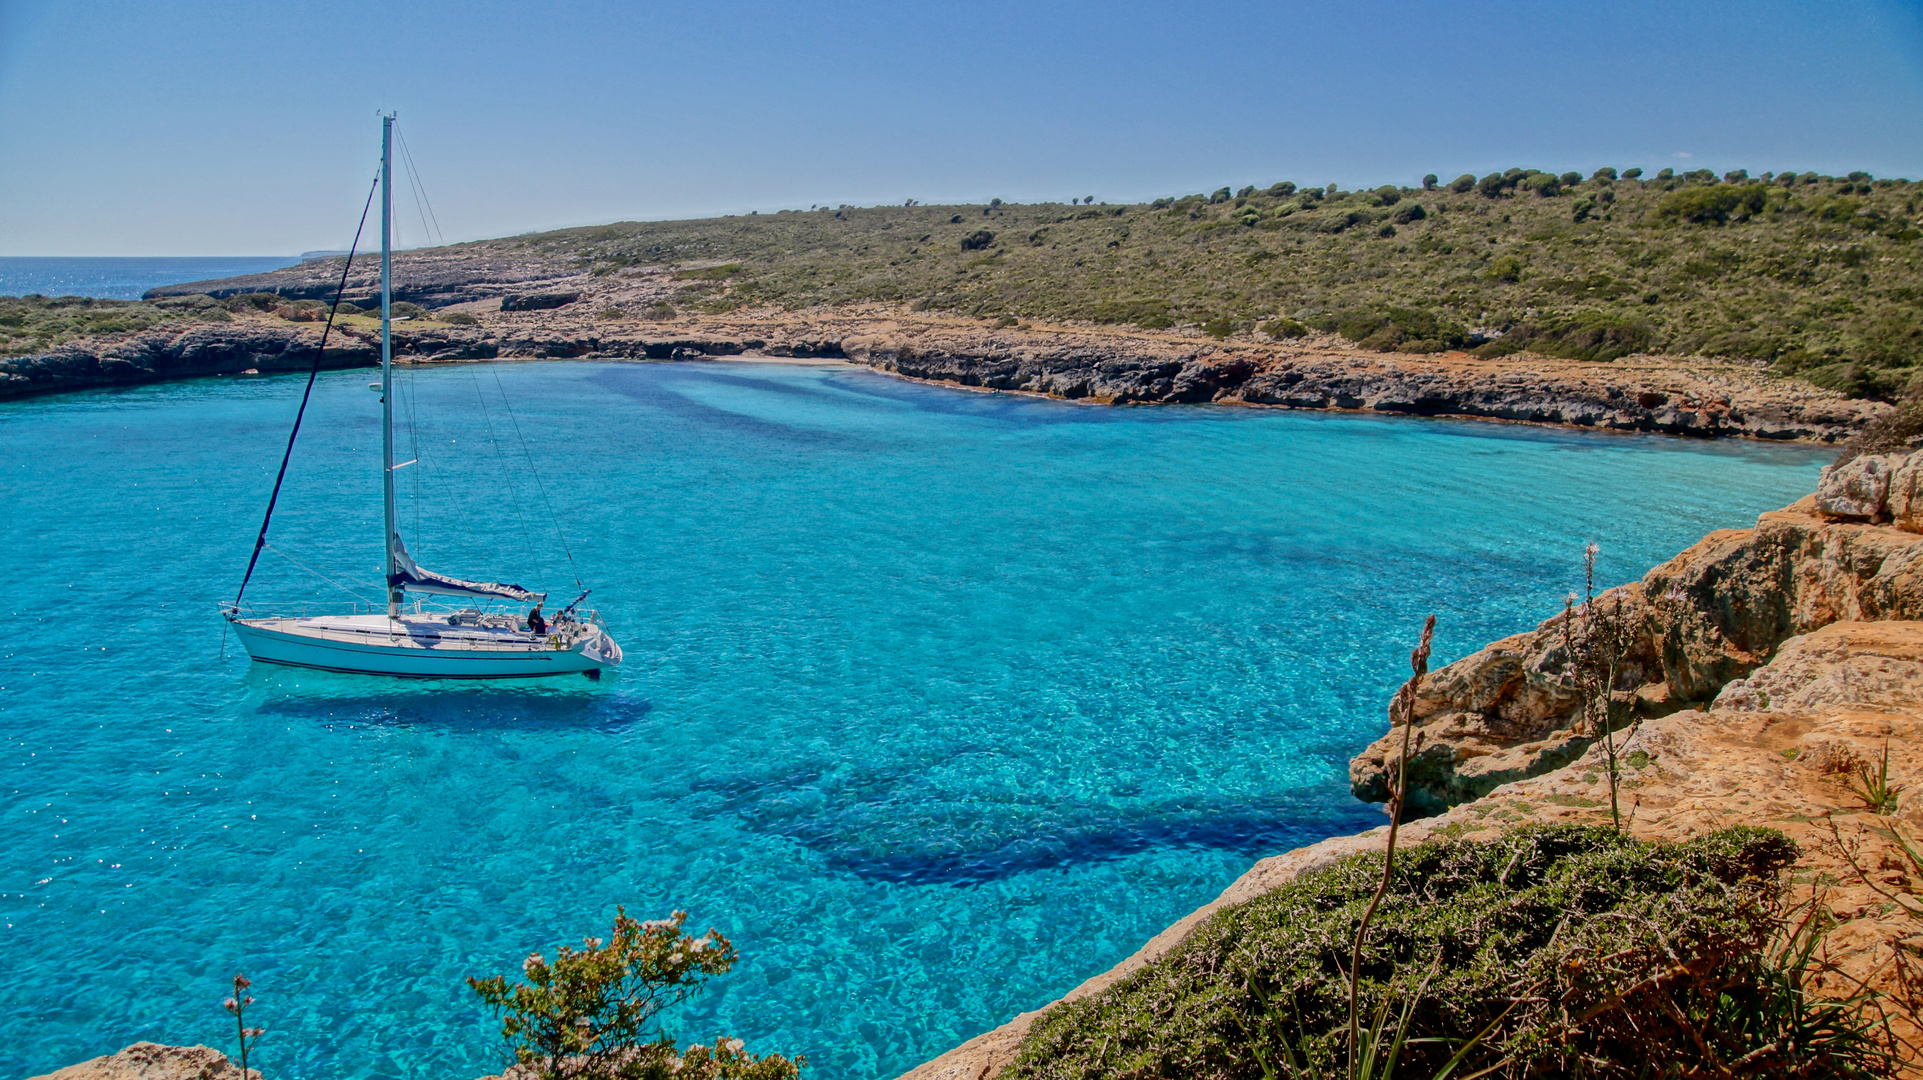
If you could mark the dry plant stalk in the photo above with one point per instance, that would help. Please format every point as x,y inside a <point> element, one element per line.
<point>1596,654</point>
<point>1906,955</point>
<point>1402,712</point>
<point>237,1005</point>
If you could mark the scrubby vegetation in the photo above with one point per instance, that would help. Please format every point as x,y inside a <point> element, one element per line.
<point>33,324</point>
<point>1570,951</point>
<point>1819,276</point>
<point>30,324</point>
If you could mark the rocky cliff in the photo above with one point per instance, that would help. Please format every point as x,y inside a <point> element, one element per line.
<point>153,1061</point>
<point>191,352</point>
<point>1108,365</point>
<point>1699,622</point>
<point>1118,369</point>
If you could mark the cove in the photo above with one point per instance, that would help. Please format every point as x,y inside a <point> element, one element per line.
<point>936,702</point>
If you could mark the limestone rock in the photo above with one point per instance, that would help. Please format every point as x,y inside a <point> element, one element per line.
<point>1906,494</point>
<point>1702,621</point>
<point>1872,665</point>
<point>541,301</point>
<point>153,1061</point>
<point>1859,488</point>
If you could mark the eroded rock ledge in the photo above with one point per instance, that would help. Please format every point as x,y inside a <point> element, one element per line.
<point>1095,364</point>
<point>1701,621</point>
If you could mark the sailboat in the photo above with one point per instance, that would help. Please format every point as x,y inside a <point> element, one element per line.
<point>468,643</point>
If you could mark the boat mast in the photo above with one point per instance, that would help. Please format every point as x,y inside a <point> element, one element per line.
<point>387,362</point>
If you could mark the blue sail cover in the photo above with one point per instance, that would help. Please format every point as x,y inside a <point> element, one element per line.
<point>410,576</point>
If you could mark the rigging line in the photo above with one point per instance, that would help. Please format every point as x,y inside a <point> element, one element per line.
<point>318,574</point>
<point>538,483</point>
<point>500,466</point>
<point>408,395</point>
<point>420,188</point>
<point>280,478</point>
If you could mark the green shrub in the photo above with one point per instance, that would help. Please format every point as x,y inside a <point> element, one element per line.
<point>401,309</point>
<point>592,1014</point>
<point>1855,380</point>
<point>1506,268</point>
<point>1594,335</point>
<point>1150,314</point>
<point>1413,211</point>
<point>977,240</point>
<point>257,301</point>
<point>1463,184</point>
<point>1401,329</point>
<point>1604,173</point>
<point>1284,328</point>
<point>1429,182</point>
<point>1632,174</point>
<point>1218,327</point>
<point>1570,179</point>
<point>1550,939</point>
<point>1221,195</point>
<point>1542,184</point>
<point>459,318</point>
<point>1713,204</point>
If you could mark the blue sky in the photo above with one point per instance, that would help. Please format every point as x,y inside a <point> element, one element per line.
<point>165,128</point>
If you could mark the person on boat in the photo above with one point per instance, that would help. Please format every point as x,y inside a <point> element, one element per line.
<point>535,623</point>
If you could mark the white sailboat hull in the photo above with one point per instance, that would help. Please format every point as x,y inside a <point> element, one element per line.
<point>425,647</point>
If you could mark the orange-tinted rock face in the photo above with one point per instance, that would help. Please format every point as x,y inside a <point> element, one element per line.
<point>153,1061</point>
<point>1709,616</point>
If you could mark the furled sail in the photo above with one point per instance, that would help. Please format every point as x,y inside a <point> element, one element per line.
<point>408,575</point>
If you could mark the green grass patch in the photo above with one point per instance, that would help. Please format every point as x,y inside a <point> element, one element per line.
<point>1550,938</point>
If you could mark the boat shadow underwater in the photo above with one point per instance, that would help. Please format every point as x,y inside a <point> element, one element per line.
<point>450,705</point>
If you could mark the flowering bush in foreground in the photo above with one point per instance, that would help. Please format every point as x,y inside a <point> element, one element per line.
<point>591,1013</point>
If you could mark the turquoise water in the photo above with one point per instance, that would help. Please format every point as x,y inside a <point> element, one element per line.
<point>936,702</point>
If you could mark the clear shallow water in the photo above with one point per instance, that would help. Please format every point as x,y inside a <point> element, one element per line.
<point>121,278</point>
<point>937,703</point>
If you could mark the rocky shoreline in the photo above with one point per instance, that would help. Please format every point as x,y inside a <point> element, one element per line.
<point>1768,663</point>
<point>1094,365</point>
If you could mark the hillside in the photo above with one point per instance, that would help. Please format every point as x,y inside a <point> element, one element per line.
<point>1815,275</point>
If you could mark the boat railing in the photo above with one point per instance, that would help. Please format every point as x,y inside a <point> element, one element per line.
<point>314,609</point>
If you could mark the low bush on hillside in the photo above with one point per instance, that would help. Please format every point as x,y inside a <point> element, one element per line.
<point>1587,336</point>
<point>1572,951</point>
<point>31,324</point>
<point>1399,329</point>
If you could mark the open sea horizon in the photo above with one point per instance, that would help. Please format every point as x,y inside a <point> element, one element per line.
<point>937,703</point>
<point>123,278</point>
